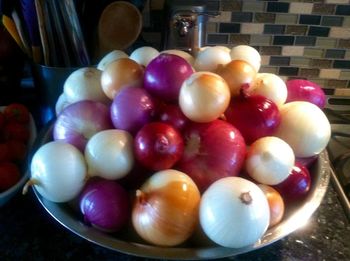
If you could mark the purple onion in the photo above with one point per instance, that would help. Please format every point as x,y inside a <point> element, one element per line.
<point>105,204</point>
<point>81,120</point>
<point>254,116</point>
<point>164,76</point>
<point>132,108</point>
<point>304,90</point>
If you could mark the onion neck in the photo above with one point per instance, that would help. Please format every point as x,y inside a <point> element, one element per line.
<point>141,196</point>
<point>246,198</point>
<point>193,144</point>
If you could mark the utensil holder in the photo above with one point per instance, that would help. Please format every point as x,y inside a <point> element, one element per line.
<point>49,83</point>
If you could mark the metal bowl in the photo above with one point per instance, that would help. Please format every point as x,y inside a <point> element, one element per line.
<point>126,241</point>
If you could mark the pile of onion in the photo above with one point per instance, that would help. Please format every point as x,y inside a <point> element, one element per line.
<point>153,145</point>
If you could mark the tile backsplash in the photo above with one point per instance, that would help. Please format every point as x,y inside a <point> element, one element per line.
<point>296,39</point>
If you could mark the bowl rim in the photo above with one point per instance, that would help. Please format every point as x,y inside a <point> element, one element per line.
<point>67,217</point>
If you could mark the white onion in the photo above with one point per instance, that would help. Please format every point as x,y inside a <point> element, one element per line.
<point>210,58</point>
<point>305,127</point>
<point>271,86</point>
<point>84,84</point>
<point>144,55</point>
<point>234,212</point>
<point>111,57</point>
<point>248,54</point>
<point>61,103</point>
<point>58,171</point>
<point>109,154</point>
<point>269,160</point>
<point>188,57</point>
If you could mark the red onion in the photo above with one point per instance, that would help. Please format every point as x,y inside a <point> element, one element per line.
<point>132,108</point>
<point>164,76</point>
<point>158,146</point>
<point>253,115</point>
<point>296,186</point>
<point>304,90</point>
<point>172,114</point>
<point>212,151</point>
<point>105,204</point>
<point>81,120</point>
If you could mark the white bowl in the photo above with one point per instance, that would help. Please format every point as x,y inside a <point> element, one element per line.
<point>11,192</point>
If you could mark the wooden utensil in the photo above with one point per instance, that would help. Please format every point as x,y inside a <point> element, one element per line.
<point>119,26</point>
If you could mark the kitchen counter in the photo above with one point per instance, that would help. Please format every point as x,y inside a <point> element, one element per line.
<point>28,232</point>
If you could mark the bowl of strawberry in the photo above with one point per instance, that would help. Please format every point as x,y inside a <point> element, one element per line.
<point>17,134</point>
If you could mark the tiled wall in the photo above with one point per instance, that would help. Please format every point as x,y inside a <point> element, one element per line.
<point>297,39</point>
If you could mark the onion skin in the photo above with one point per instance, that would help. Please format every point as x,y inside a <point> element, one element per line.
<point>109,154</point>
<point>254,115</point>
<point>296,186</point>
<point>165,210</point>
<point>269,160</point>
<point>120,73</point>
<point>270,86</point>
<point>236,73</point>
<point>164,76</point>
<point>172,114</point>
<point>234,212</point>
<point>105,204</point>
<point>79,121</point>
<point>248,54</point>
<point>212,151</point>
<point>304,90</point>
<point>158,146</point>
<point>58,171</point>
<point>132,108</point>
<point>204,97</point>
<point>276,204</point>
<point>304,127</point>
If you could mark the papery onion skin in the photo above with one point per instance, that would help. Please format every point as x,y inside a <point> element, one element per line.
<point>269,160</point>
<point>111,57</point>
<point>132,108</point>
<point>58,171</point>
<point>248,54</point>
<point>234,212</point>
<point>109,154</point>
<point>158,146</point>
<point>276,204</point>
<point>304,127</point>
<point>296,187</point>
<point>236,73</point>
<point>270,86</point>
<point>144,55</point>
<point>210,58</point>
<point>172,114</point>
<point>79,121</point>
<point>204,97</point>
<point>165,210</point>
<point>105,204</point>
<point>84,84</point>
<point>304,90</point>
<point>164,76</point>
<point>254,115</point>
<point>212,151</point>
<point>120,73</point>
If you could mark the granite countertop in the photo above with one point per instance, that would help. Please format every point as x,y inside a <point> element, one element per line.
<point>28,232</point>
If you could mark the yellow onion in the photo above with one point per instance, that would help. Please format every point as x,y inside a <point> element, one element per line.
<point>120,73</point>
<point>165,210</point>
<point>204,96</point>
<point>237,73</point>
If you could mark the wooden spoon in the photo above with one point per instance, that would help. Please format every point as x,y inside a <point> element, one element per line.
<point>119,26</point>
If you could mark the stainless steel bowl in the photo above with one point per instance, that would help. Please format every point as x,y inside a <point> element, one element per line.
<point>126,242</point>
